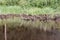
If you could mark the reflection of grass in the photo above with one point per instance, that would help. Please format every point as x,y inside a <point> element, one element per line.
<point>16,22</point>
<point>29,10</point>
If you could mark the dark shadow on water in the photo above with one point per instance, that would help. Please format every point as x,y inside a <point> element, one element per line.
<point>32,34</point>
<point>29,34</point>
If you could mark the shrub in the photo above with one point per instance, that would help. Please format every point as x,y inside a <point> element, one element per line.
<point>33,3</point>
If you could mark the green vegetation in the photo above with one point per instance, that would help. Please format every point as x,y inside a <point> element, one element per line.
<point>45,22</point>
<point>34,3</point>
<point>16,22</point>
<point>30,6</point>
<point>28,10</point>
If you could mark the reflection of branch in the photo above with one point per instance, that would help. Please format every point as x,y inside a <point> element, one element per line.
<point>5,32</point>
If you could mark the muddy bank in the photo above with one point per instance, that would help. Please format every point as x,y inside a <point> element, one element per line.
<point>27,17</point>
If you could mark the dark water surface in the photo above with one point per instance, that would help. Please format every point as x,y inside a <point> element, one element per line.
<point>29,34</point>
<point>33,34</point>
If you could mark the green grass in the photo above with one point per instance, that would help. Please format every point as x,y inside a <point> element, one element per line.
<point>35,3</point>
<point>28,10</point>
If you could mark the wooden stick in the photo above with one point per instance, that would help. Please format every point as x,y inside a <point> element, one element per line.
<point>5,31</point>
